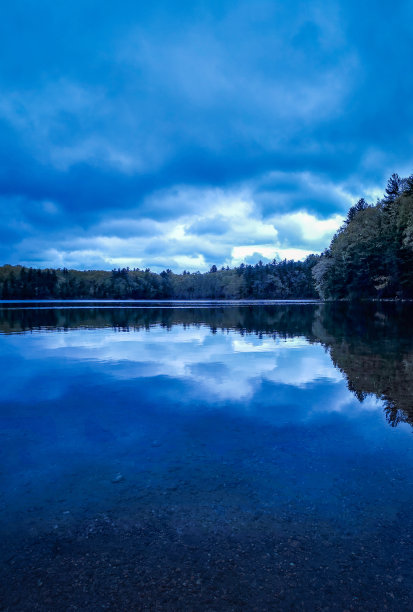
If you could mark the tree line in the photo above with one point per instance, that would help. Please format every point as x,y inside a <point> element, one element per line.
<point>275,280</point>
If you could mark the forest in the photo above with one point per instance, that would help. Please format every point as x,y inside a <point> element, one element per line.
<point>370,257</point>
<point>275,280</point>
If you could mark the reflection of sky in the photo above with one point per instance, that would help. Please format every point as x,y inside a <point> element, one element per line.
<point>80,406</point>
<point>283,380</point>
<point>225,366</point>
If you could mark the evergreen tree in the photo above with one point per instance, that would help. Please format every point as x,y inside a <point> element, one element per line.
<point>361,205</point>
<point>394,188</point>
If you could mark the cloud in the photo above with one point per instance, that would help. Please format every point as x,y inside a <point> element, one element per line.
<point>304,229</point>
<point>171,135</point>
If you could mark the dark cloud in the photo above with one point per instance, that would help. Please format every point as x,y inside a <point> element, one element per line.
<point>123,121</point>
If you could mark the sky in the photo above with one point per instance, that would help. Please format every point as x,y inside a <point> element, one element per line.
<point>189,133</point>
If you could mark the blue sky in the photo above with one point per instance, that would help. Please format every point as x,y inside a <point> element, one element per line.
<point>182,134</point>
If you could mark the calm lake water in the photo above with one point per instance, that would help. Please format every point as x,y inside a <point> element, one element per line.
<point>206,457</point>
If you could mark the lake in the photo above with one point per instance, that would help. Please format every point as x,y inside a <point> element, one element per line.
<point>237,456</point>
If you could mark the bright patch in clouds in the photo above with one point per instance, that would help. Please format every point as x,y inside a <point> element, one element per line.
<point>252,254</point>
<point>309,227</point>
<point>195,133</point>
<point>228,231</point>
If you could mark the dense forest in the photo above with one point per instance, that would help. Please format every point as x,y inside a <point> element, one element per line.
<point>371,256</point>
<point>276,280</point>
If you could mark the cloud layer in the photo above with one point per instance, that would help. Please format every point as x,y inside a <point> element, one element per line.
<point>185,134</point>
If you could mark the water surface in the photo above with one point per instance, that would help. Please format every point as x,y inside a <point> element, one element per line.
<point>206,457</point>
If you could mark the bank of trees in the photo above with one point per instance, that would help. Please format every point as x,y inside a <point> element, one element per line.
<point>371,256</point>
<point>275,280</point>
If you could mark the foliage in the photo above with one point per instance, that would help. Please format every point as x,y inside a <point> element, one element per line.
<point>276,280</point>
<point>371,256</point>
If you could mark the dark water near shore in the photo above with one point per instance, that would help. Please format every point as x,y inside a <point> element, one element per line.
<point>206,457</point>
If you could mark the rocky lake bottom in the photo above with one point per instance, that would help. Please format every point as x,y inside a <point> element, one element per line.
<point>232,457</point>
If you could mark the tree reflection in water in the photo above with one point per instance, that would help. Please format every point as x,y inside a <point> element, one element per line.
<point>371,343</point>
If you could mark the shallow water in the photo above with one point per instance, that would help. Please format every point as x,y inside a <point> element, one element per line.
<point>206,457</point>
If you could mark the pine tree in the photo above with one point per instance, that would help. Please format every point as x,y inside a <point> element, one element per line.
<point>361,205</point>
<point>394,188</point>
<point>408,187</point>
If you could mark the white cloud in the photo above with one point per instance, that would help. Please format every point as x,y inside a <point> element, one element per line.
<point>223,227</point>
<point>309,226</point>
